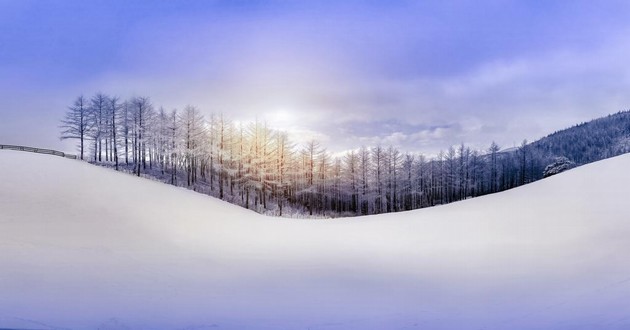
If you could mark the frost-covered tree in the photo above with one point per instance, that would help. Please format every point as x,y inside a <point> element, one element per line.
<point>392,160</point>
<point>173,144</point>
<point>378,168</point>
<point>281,183</point>
<point>351,180</point>
<point>193,133</point>
<point>408,187</point>
<point>125,124</point>
<point>364,180</point>
<point>114,108</point>
<point>310,155</point>
<point>76,124</point>
<point>143,112</point>
<point>98,116</point>
<point>494,169</point>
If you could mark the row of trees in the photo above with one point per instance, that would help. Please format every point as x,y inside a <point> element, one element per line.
<point>251,165</point>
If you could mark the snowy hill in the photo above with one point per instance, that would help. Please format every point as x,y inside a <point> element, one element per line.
<point>84,247</point>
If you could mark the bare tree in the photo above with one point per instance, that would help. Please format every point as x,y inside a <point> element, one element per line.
<point>98,114</point>
<point>192,125</point>
<point>351,166</point>
<point>126,127</point>
<point>76,123</point>
<point>173,145</point>
<point>493,150</point>
<point>311,154</point>
<point>114,110</point>
<point>142,113</point>
<point>378,160</point>
<point>364,169</point>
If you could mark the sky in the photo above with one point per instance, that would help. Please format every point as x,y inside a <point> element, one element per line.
<point>419,75</point>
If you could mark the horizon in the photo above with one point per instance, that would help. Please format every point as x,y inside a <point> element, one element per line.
<point>420,77</point>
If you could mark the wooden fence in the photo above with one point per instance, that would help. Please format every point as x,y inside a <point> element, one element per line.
<point>37,150</point>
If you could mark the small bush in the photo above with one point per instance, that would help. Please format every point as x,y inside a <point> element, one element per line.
<point>559,165</point>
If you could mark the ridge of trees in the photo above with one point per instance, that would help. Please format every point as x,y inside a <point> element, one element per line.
<point>259,168</point>
<point>591,141</point>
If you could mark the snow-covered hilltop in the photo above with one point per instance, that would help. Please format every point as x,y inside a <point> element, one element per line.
<point>84,247</point>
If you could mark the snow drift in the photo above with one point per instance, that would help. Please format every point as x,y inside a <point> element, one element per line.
<point>83,247</point>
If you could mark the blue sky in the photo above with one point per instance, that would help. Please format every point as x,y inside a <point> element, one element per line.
<point>421,75</point>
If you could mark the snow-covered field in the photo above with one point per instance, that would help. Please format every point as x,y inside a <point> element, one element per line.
<point>83,247</point>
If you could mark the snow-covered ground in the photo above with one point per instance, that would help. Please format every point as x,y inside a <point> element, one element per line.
<point>83,247</point>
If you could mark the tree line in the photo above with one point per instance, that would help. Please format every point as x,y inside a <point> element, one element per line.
<point>259,168</point>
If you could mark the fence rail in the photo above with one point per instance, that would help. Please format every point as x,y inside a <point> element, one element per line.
<point>37,150</point>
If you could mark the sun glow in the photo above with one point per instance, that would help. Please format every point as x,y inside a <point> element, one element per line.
<point>295,124</point>
<point>282,119</point>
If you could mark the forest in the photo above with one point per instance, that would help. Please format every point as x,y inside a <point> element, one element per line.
<point>259,168</point>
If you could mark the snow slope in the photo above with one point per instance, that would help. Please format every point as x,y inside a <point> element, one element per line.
<point>83,247</point>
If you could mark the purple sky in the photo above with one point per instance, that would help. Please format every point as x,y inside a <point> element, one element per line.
<point>421,75</point>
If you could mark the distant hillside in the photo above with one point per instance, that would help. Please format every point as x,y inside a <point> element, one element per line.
<point>497,170</point>
<point>581,144</point>
<point>591,141</point>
